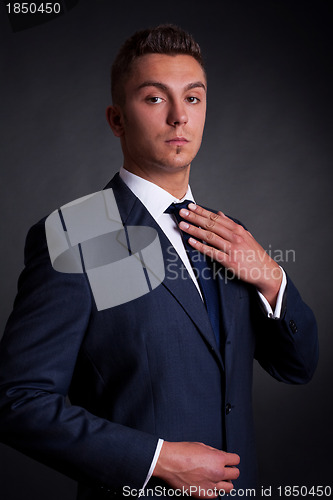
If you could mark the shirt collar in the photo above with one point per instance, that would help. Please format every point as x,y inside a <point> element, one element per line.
<point>154,198</point>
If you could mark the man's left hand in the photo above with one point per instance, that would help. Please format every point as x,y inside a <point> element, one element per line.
<point>234,247</point>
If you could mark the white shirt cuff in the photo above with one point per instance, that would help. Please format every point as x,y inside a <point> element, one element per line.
<point>154,461</point>
<point>277,312</point>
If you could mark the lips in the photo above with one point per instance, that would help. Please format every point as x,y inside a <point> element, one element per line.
<point>177,141</point>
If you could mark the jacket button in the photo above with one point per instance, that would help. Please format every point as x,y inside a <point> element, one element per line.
<point>293,326</point>
<point>227,408</point>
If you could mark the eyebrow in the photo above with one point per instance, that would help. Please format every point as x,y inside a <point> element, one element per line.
<point>162,86</point>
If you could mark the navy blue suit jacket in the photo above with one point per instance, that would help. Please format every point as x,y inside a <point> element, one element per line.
<point>143,370</point>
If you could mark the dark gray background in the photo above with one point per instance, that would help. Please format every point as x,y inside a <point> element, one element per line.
<point>266,159</point>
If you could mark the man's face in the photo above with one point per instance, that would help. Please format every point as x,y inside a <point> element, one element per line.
<point>164,113</point>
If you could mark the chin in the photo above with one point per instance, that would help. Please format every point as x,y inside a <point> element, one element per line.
<point>179,162</point>
<point>176,166</point>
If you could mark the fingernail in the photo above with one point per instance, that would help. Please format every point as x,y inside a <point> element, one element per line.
<point>184,225</point>
<point>192,241</point>
<point>192,206</point>
<point>183,211</point>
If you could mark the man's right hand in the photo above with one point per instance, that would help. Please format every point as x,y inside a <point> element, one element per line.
<point>185,465</point>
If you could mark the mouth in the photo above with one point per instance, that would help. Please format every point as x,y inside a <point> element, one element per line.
<point>177,141</point>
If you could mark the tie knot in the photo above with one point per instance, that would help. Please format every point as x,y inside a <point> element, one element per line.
<point>175,207</point>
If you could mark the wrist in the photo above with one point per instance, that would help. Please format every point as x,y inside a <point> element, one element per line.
<point>161,464</point>
<point>271,283</point>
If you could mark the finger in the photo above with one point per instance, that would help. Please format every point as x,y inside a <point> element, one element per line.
<point>219,217</point>
<point>214,224</point>
<point>232,459</point>
<point>209,236</point>
<point>231,473</point>
<point>227,486</point>
<point>214,253</point>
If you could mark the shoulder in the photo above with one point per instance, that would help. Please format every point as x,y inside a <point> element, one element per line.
<point>35,243</point>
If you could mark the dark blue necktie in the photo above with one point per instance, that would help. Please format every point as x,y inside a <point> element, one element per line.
<point>203,271</point>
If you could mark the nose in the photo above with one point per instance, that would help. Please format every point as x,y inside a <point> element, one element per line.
<point>177,114</point>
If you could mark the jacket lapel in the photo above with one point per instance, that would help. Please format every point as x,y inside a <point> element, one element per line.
<point>177,280</point>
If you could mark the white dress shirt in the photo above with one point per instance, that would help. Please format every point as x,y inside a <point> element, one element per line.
<point>157,200</point>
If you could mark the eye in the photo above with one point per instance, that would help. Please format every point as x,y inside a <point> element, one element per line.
<point>193,100</point>
<point>154,100</point>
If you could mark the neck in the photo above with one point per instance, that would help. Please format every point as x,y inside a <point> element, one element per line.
<point>174,182</point>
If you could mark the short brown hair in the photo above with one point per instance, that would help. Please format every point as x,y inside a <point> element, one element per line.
<point>163,39</point>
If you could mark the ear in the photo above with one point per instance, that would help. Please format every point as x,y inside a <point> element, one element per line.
<point>115,119</point>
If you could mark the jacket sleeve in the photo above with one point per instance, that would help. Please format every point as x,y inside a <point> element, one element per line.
<point>38,354</point>
<point>287,347</point>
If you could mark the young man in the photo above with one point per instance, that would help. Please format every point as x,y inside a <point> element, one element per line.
<point>160,386</point>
